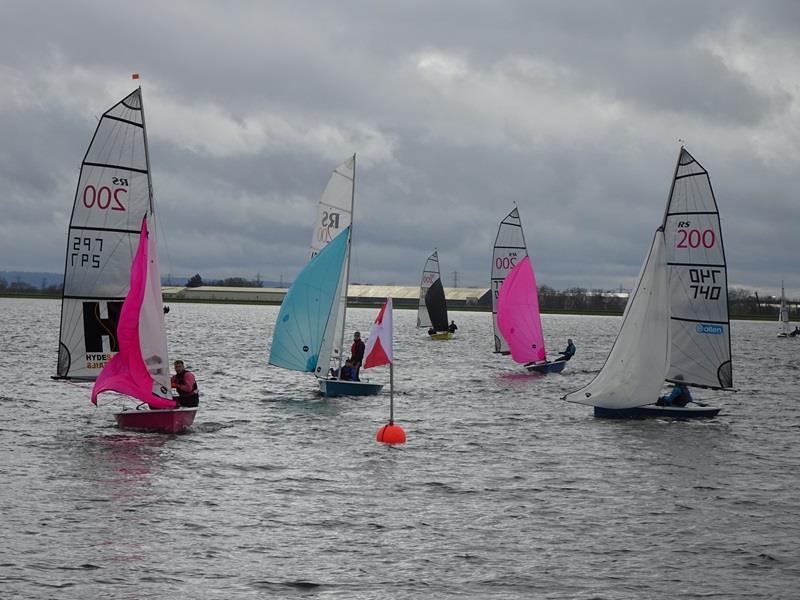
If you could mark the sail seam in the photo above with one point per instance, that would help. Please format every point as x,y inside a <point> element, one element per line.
<point>129,106</point>
<point>108,166</point>
<point>84,228</point>
<point>119,298</point>
<point>676,264</point>
<point>700,321</point>
<point>690,175</point>
<point>121,120</point>
<point>699,212</point>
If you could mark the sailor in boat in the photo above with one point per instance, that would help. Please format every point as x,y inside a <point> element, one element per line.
<point>183,382</point>
<point>431,331</point>
<point>795,332</point>
<point>679,396</point>
<point>356,354</point>
<point>348,373</point>
<point>568,353</point>
<point>452,327</point>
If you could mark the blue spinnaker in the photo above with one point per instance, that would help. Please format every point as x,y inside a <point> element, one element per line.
<point>307,307</point>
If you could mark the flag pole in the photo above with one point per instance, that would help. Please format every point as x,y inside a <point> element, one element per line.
<point>391,392</point>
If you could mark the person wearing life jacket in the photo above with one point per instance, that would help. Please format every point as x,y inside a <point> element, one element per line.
<point>569,352</point>
<point>452,327</point>
<point>357,354</point>
<point>183,382</point>
<point>679,396</point>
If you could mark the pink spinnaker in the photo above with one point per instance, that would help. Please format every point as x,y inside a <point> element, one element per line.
<point>127,372</point>
<point>518,317</point>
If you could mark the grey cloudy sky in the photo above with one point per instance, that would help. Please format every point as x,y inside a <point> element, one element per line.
<point>456,109</point>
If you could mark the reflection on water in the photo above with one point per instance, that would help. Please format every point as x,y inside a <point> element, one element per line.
<point>502,491</point>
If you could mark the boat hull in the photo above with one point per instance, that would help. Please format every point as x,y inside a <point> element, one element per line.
<point>172,420</point>
<point>650,411</point>
<point>443,335</point>
<point>550,367</point>
<point>336,387</point>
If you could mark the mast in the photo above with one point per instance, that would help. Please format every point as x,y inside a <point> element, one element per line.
<point>147,159</point>
<point>347,268</point>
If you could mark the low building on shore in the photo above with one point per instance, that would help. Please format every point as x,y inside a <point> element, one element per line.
<point>357,294</point>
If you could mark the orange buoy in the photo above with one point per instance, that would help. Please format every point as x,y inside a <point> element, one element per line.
<point>391,434</point>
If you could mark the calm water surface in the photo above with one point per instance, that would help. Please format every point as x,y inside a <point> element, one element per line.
<point>502,491</point>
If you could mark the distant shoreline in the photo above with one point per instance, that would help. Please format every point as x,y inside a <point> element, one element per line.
<point>473,308</point>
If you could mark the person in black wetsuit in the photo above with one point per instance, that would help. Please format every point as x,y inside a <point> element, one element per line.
<point>452,327</point>
<point>569,352</point>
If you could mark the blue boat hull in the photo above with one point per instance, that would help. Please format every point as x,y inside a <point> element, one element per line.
<point>550,367</point>
<point>335,387</point>
<point>692,411</point>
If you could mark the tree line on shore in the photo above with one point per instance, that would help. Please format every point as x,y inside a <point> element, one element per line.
<point>742,302</point>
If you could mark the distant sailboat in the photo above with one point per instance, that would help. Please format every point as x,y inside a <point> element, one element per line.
<point>114,193</point>
<point>140,369</point>
<point>430,273</point>
<point>519,321</point>
<point>783,316</point>
<point>675,327</point>
<point>432,311</point>
<point>309,332</point>
<point>509,249</point>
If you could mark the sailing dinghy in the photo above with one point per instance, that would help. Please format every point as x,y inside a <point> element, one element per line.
<point>519,321</point>
<point>783,316</point>
<point>114,193</point>
<point>309,332</point>
<point>675,327</point>
<point>140,369</point>
<point>432,311</point>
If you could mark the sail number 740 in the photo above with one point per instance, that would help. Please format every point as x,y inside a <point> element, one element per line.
<point>701,278</point>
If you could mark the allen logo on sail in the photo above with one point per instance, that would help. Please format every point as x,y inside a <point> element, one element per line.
<point>711,329</point>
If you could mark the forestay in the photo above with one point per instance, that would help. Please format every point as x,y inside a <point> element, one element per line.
<point>700,344</point>
<point>430,274</point>
<point>509,249</point>
<point>114,193</point>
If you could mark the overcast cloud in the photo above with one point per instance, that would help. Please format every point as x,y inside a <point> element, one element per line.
<point>456,110</point>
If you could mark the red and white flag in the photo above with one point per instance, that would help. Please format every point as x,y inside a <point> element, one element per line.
<point>379,345</point>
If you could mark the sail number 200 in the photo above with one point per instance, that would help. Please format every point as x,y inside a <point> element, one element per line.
<point>694,238</point>
<point>103,197</point>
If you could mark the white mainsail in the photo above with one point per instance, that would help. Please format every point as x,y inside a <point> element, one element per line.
<point>675,325</point>
<point>114,193</point>
<point>783,316</point>
<point>334,214</point>
<point>509,249</point>
<point>700,341</point>
<point>430,273</point>
<point>335,208</point>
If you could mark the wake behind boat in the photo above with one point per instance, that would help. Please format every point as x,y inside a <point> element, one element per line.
<point>675,327</point>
